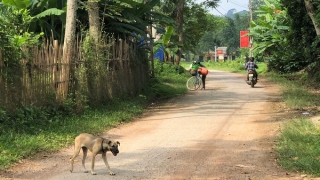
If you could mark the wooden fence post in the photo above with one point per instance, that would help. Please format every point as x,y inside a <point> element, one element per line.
<point>54,66</point>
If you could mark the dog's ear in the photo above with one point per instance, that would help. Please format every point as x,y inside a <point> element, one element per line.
<point>110,142</point>
<point>118,143</point>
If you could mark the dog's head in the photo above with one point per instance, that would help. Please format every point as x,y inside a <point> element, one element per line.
<point>111,146</point>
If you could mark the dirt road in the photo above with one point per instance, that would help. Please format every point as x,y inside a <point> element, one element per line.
<point>227,131</point>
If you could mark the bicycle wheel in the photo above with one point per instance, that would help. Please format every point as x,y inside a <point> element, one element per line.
<point>193,83</point>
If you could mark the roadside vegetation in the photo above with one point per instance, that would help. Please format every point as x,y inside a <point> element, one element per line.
<point>47,130</point>
<point>298,143</point>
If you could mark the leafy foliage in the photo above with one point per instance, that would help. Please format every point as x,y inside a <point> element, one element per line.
<point>270,33</point>
<point>193,14</point>
<point>213,36</point>
<point>22,4</point>
<point>302,39</point>
<point>48,12</point>
<point>211,3</point>
<point>170,48</point>
<point>15,34</point>
<point>285,37</point>
<point>230,35</point>
<point>126,17</point>
<point>48,15</point>
<point>224,32</point>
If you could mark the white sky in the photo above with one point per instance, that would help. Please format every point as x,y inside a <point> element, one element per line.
<point>225,5</point>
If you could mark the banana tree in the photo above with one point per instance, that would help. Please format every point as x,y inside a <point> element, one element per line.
<point>20,4</point>
<point>273,36</point>
<point>170,48</point>
<point>48,15</point>
<point>270,29</point>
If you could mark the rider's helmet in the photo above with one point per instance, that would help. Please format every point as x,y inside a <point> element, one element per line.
<point>251,58</point>
<point>194,62</point>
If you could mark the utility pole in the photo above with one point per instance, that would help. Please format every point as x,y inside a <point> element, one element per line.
<point>151,51</point>
<point>215,53</point>
<point>251,38</point>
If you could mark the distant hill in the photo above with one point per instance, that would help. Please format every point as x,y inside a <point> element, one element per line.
<point>233,11</point>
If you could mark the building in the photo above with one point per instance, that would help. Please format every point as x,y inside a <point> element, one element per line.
<point>221,53</point>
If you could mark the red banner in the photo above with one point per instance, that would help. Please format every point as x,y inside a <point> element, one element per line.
<point>219,51</point>
<point>244,39</point>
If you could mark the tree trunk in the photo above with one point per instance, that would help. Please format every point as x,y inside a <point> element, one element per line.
<point>94,21</point>
<point>311,13</point>
<point>70,30</point>
<point>68,49</point>
<point>179,20</point>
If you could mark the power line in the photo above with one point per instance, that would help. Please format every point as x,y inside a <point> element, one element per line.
<point>219,12</point>
<point>236,4</point>
<point>223,8</point>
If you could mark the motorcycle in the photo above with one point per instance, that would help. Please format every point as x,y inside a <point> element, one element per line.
<point>252,78</point>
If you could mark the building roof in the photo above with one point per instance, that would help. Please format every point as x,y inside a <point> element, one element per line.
<point>223,48</point>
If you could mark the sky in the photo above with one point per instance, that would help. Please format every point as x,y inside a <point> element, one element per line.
<point>225,5</point>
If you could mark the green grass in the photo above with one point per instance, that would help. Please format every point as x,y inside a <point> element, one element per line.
<point>23,141</point>
<point>298,144</point>
<point>298,147</point>
<point>35,131</point>
<point>295,92</point>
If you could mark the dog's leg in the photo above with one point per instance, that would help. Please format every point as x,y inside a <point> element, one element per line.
<point>85,151</point>
<point>75,154</point>
<point>104,157</point>
<point>92,163</point>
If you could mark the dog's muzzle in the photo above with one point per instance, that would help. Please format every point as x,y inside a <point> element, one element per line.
<point>115,152</point>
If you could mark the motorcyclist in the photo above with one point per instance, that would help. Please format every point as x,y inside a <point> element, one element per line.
<point>252,66</point>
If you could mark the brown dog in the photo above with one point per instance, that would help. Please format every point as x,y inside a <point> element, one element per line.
<point>97,145</point>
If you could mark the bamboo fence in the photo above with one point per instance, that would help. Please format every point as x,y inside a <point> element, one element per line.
<point>46,79</point>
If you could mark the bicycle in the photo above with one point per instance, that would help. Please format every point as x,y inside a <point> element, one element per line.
<point>194,82</point>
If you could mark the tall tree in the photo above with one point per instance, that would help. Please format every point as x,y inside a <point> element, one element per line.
<point>94,20</point>
<point>311,9</point>
<point>193,14</point>
<point>70,32</point>
<point>230,35</point>
<point>302,41</point>
<point>179,20</point>
<point>213,34</point>
<point>70,28</point>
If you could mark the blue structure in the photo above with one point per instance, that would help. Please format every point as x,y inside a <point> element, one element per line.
<point>159,54</point>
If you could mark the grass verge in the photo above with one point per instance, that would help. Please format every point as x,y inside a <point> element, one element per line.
<point>298,143</point>
<point>295,91</point>
<point>298,146</point>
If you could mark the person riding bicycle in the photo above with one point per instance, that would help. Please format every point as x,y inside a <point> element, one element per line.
<point>251,66</point>
<point>194,70</point>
